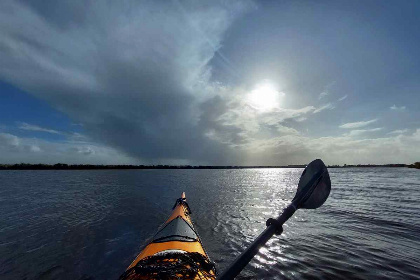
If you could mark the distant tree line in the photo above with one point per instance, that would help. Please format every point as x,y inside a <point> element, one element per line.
<point>370,165</point>
<point>63,166</point>
<point>415,165</point>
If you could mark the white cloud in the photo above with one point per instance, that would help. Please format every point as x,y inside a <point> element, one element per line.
<point>358,124</point>
<point>284,130</point>
<point>334,150</point>
<point>31,127</point>
<point>282,114</point>
<point>35,148</point>
<point>237,123</point>
<point>358,132</point>
<point>9,140</point>
<point>301,119</point>
<point>399,131</point>
<point>329,106</point>
<point>346,149</point>
<point>15,149</point>
<point>326,90</point>
<point>343,97</point>
<point>396,108</point>
<point>85,150</point>
<point>322,95</point>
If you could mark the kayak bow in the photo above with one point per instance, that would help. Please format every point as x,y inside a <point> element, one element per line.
<point>175,251</point>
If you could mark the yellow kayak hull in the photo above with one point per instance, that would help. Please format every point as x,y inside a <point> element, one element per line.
<point>175,252</point>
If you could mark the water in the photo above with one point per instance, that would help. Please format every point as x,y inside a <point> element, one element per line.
<point>91,224</point>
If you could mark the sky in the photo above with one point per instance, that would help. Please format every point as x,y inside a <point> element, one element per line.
<point>209,82</point>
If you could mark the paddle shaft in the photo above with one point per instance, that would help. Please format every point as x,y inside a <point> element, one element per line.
<point>243,259</point>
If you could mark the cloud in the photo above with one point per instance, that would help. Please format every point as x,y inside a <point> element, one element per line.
<point>281,114</point>
<point>329,106</point>
<point>343,97</point>
<point>26,126</point>
<point>358,124</point>
<point>16,149</point>
<point>232,121</point>
<point>396,108</point>
<point>284,130</point>
<point>35,149</point>
<point>358,132</point>
<point>301,119</point>
<point>291,147</point>
<point>135,82</point>
<point>11,144</point>
<point>322,95</point>
<point>85,150</point>
<point>333,150</point>
<point>371,150</point>
<point>399,131</point>
<point>139,79</point>
<point>326,91</point>
<point>9,140</point>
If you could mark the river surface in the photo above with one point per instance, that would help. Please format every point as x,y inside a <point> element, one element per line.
<point>92,224</point>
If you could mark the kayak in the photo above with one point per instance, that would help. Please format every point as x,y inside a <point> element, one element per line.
<point>175,252</point>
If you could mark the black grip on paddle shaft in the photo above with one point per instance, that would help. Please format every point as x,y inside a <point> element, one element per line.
<point>243,259</point>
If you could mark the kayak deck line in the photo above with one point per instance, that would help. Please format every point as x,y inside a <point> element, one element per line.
<point>175,252</point>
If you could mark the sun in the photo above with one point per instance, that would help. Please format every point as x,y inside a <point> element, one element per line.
<point>264,97</point>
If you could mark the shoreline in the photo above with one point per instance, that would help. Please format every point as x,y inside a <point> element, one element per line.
<point>61,166</point>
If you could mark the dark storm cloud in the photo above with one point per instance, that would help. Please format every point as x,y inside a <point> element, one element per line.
<point>132,74</point>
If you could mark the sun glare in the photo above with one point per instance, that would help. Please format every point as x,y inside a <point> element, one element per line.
<point>264,97</point>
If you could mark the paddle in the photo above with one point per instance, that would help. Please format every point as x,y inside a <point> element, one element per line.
<point>313,190</point>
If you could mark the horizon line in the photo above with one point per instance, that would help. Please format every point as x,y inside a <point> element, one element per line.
<point>64,166</point>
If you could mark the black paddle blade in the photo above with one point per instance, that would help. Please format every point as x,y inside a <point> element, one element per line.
<point>314,186</point>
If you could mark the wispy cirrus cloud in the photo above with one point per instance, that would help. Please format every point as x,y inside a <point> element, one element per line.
<point>328,106</point>
<point>322,95</point>
<point>31,127</point>
<point>358,124</point>
<point>358,132</point>
<point>343,97</point>
<point>326,91</point>
<point>396,108</point>
<point>399,131</point>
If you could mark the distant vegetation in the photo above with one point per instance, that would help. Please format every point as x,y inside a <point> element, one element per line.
<point>415,165</point>
<point>63,166</point>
